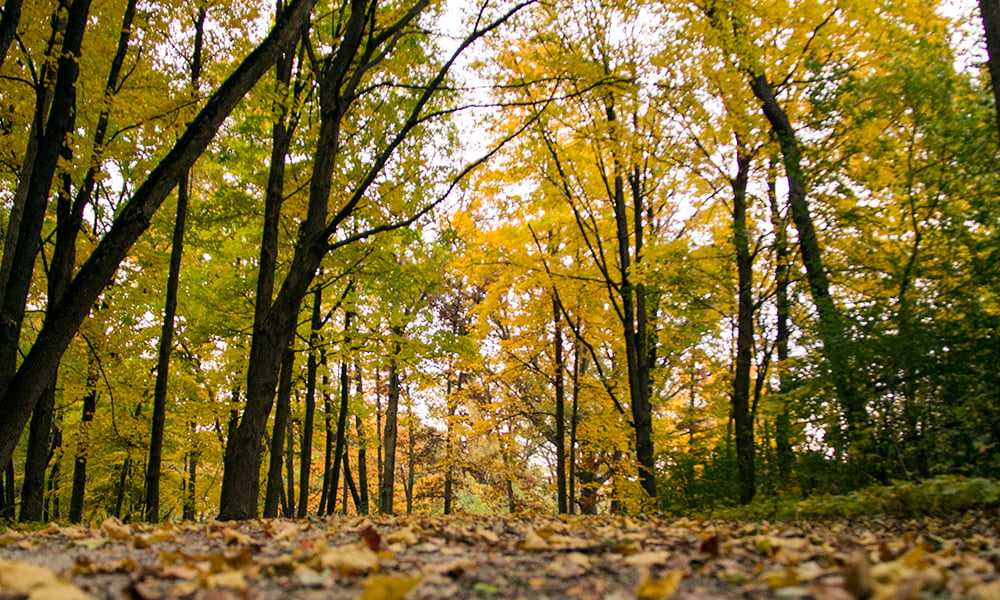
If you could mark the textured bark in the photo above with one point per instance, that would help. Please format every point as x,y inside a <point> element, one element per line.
<point>742,415</point>
<point>310,416</point>
<point>19,256</point>
<point>274,482</point>
<point>82,447</point>
<point>27,385</point>
<point>562,504</point>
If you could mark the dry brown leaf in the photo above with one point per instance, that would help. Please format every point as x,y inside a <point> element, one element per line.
<point>351,559</point>
<point>115,530</point>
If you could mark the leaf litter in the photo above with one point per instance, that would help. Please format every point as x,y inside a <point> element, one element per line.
<point>499,557</point>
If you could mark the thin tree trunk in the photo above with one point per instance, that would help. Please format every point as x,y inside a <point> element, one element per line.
<point>170,312</point>
<point>288,508</point>
<point>350,485</point>
<point>345,391</point>
<point>307,425</point>
<point>191,488</point>
<point>389,435</point>
<point>562,504</point>
<point>449,450</point>
<point>274,483</point>
<point>123,475</point>
<point>782,426</point>
<point>380,459</point>
<point>742,415</point>
<point>362,444</point>
<point>324,499</point>
<point>578,370</point>
<point>410,458</point>
<point>83,446</point>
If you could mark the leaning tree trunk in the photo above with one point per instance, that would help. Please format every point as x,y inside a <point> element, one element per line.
<point>8,26</point>
<point>831,324</point>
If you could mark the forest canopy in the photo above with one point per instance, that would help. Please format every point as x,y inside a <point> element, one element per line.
<point>573,256</point>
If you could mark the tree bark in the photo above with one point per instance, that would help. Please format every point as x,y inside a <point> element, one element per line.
<point>274,482</point>
<point>8,26</point>
<point>345,391</point>
<point>166,345</point>
<point>307,425</point>
<point>562,504</point>
<point>324,499</point>
<point>782,426</point>
<point>742,415</point>
<point>288,507</point>
<point>989,10</point>
<point>35,372</point>
<point>362,444</point>
<point>389,435</point>
<point>191,487</point>
<point>82,446</point>
<point>831,326</point>
<point>19,266</point>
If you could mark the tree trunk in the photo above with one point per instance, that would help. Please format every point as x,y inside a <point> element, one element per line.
<point>831,326</point>
<point>307,425</point>
<point>389,434</point>
<point>288,508</point>
<point>449,450</point>
<point>83,446</point>
<point>166,345</point>
<point>634,319</point>
<point>324,499</point>
<point>19,263</point>
<point>989,10</point>
<point>345,392</point>
<point>191,489</point>
<point>410,467</point>
<point>123,474</point>
<point>362,444</point>
<point>742,415</point>
<point>562,505</point>
<point>782,426</point>
<point>38,367</point>
<point>274,482</point>
<point>8,26</point>
<point>578,370</point>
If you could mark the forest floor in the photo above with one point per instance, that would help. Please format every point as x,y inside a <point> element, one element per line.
<point>520,556</point>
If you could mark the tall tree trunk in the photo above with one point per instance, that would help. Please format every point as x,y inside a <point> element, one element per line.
<point>123,475</point>
<point>633,316</point>
<point>83,446</point>
<point>578,370</point>
<point>562,504</point>
<point>274,482</point>
<point>362,444</point>
<point>389,435</point>
<point>240,477</point>
<point>350,485</point>
<point>307,425</point>
<point>989,10</point>
<point>782,426</point>
<point>35,372</point>
<point>345,391</point>
<point>166,345</point>
<point>18,266</point>
<point>831,324</point>
<point>742,415</point>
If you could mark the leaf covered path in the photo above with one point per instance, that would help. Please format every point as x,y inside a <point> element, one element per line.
<point>521,556</point>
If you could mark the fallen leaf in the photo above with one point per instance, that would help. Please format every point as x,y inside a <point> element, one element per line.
<point>660,588</point>
<point>386,587</point>
<point>352,559</point>
<point>116,530</point>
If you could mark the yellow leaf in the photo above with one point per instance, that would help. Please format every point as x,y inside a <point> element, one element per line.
<point>660,588</point>
<point>386,587</point>
<point>115,530</point>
